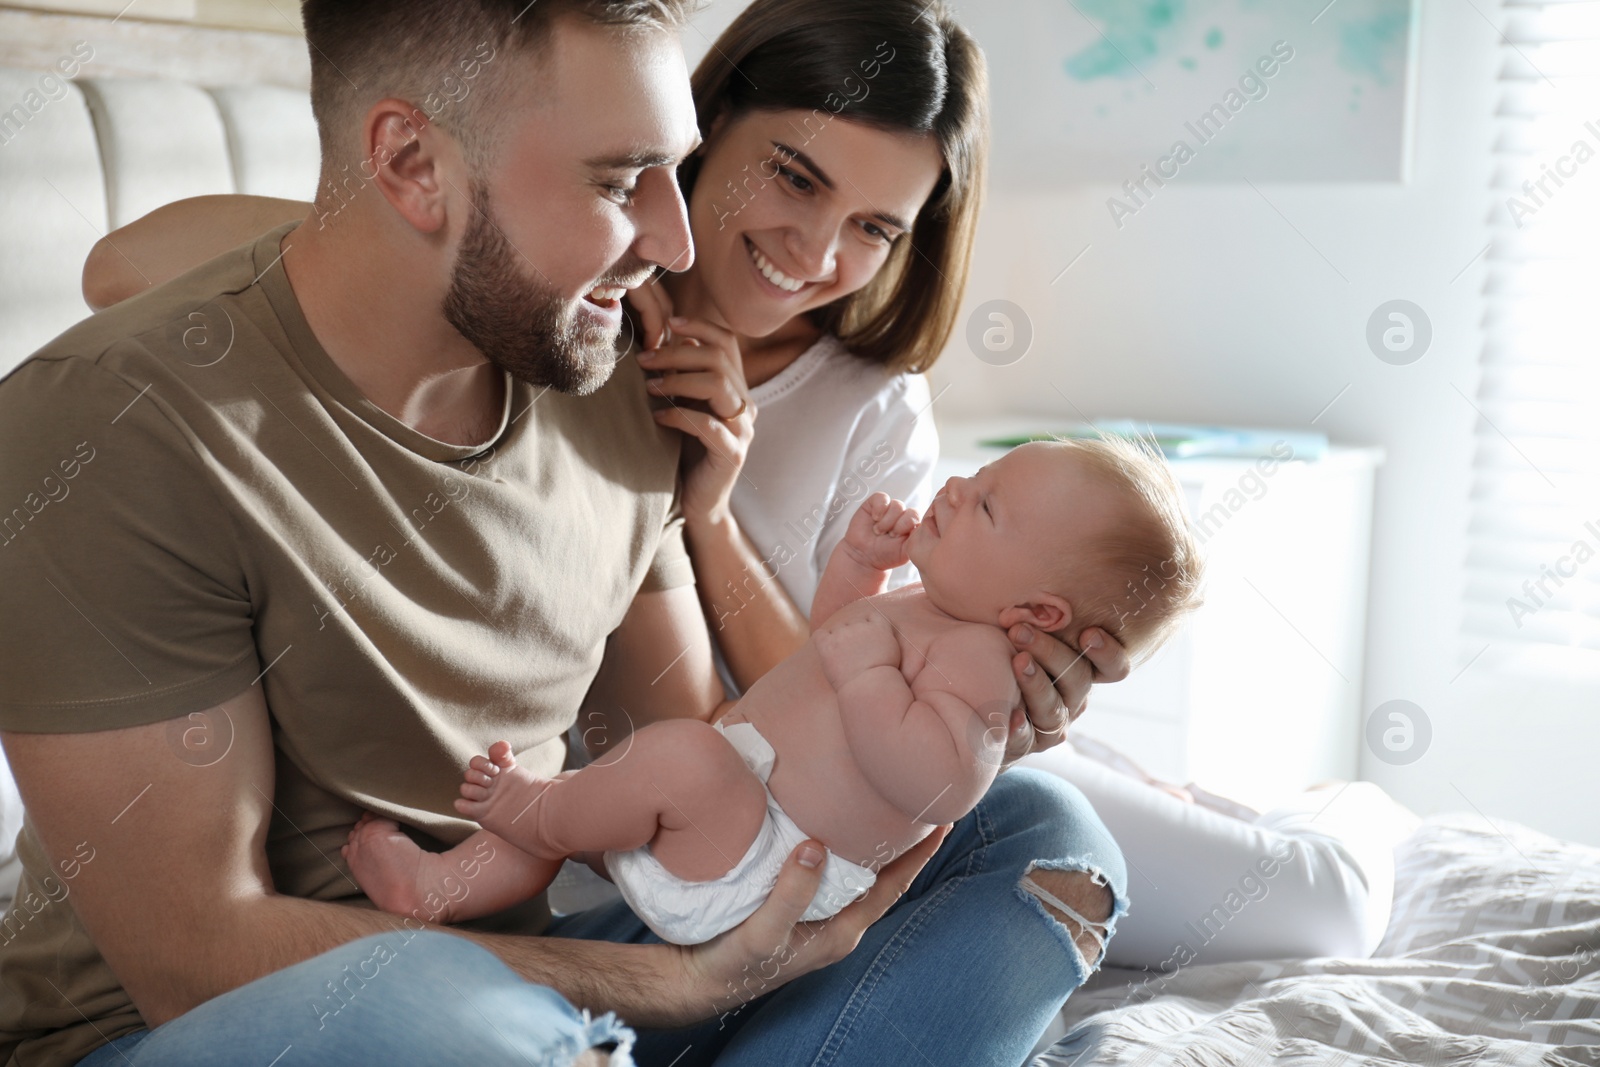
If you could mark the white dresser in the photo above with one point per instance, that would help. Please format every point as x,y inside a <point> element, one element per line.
<point>1259,694</point>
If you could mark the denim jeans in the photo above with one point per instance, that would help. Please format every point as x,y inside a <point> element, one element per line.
<point>966,969</point>
<point>410,997</point>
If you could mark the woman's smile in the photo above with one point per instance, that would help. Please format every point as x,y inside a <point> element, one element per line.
<point>776,282</point>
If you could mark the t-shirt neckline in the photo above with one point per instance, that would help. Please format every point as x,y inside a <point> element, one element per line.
<point>306,350</point>
<point>790,377</point>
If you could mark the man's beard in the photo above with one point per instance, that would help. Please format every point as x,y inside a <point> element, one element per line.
<point>522,327</point>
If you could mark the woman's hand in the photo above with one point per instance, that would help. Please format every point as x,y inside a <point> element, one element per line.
<point>773,947</point>
<point>652,304</point>
<point>702,362</point>
<point>1053,706</point>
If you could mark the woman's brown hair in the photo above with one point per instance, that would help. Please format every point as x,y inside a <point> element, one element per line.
<point>782,55</point>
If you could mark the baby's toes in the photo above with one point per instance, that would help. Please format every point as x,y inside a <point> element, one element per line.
<point>500,753</point>
<point>476,793</point>
<point>483,766</point>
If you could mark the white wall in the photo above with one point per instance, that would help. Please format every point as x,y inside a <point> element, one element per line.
<point>1209,306</point>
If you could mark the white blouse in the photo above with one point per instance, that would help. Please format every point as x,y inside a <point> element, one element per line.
<point>831,429</point>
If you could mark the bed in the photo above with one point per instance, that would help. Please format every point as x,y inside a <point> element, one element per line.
<point>1492,957</point>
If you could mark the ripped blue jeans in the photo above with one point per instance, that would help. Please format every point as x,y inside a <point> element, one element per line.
<point>968,968</point>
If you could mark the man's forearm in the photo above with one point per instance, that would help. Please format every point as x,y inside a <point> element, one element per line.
<point>277,932</point>
<point>657,665</point>
<point>600,729</point>
<point>602,725</point>
<point>635,981</point>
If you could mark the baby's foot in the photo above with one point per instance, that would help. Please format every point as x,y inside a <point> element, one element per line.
<point>393,871</point>
<point>498,793</point>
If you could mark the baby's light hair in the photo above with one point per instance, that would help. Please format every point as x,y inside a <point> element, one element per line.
<point>1140,578</point>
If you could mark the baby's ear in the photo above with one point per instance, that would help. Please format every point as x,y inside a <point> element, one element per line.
<point>1045,611</point>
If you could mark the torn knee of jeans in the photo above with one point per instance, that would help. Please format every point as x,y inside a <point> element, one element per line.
<point>1078,930</point>
<point>602,1040</point>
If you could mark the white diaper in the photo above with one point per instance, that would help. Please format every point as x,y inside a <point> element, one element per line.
<point>687,913</point>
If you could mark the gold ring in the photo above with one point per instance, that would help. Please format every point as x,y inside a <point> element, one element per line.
<point>744,402</point>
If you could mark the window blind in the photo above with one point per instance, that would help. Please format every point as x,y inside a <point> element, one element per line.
<point>1533,566</point>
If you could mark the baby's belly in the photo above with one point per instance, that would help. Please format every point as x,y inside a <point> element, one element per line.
<point>814,776</point>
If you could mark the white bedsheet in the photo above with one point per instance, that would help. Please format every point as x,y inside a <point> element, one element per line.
<point>1492,957</point>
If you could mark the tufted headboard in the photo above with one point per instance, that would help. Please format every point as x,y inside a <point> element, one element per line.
<point>77,163</point>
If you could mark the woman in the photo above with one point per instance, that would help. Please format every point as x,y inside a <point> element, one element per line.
<point>764,328</point>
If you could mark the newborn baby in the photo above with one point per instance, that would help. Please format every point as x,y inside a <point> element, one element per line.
<point>890,721</point>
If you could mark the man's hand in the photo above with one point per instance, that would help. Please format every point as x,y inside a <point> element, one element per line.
<point>850,646</point>
<point>772,947</point>
<point>876,537</point>
<point>1055,680</point>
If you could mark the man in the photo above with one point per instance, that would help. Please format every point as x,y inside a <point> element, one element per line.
<point>324,517</point>
<point>337,518</point>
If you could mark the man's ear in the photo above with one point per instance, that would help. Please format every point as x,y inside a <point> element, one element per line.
<point>403,161</point>
<point>1045,611</point>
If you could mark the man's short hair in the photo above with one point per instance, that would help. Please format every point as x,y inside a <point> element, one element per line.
<point>446,57</point>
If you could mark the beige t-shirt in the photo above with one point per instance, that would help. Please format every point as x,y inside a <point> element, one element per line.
<point>194,499</point>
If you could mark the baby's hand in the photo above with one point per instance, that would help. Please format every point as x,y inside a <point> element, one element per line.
<point>877,534</point>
